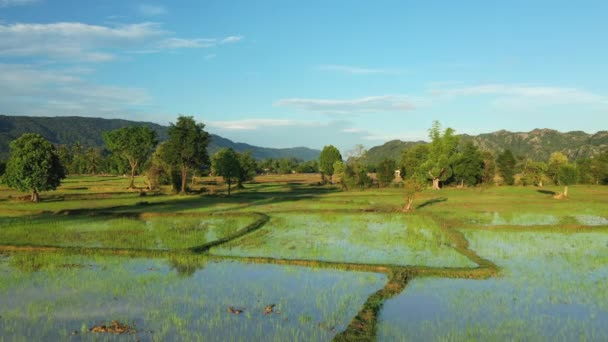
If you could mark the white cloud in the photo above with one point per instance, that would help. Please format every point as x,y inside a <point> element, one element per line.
<point>72,40</point>
<point>29,90</point>
<point>254,124</point>
<point>93,43</point>
<point>231,39</point>
<point>370,104</point>
<point>355,70</point>
<point>11,3</point>
<point>527,94</point>
<point>151,10</point>
<point>181,43</point>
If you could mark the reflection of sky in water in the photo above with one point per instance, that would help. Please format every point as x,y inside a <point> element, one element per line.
<point>365,238</point>
<point>552,287</point>
<point>51,303</point>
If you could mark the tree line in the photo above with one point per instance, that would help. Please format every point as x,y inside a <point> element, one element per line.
<point>446,161</point>
<point>36,165</point>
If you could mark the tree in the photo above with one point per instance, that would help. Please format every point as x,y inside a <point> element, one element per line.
<point>247,168</point>
<point>468,165</point>
<point>567,174</point>
<point>506,166</point>
<point>186,148</point>
<point>225,163</point>
<point>134,144</point>
<point>556,161</point>
<point>329,155</point>
<point>489,167</point>
<point>412,158</point>
<point>412,186</point>
<point>33,165</point>
<point>93,160</point>
<point>386,172</point>
<point>442,150</point>
<point>534,172</point>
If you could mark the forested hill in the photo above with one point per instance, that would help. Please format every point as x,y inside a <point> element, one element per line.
<point>537,144</point>
<point>88,131</point>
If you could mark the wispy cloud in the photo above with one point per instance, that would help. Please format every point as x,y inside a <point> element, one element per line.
<point>151,10</point>
<point>26,89</point>
<point>354,70</point>
<point>527,94</point>
<point>11,3</point>
<point>231,39</point>
<point>370,104</point>
<point>255,124</point>
<point>93,43</point>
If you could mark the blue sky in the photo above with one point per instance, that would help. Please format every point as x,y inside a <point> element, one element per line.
<point>311,73</point>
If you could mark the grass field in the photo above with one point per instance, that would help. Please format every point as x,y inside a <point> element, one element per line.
<point>481,263</point>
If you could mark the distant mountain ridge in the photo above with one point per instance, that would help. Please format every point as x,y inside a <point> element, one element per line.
<point>88,131</point>
<point>537,144</point>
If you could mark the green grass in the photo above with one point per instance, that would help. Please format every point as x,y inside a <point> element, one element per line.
<point>553,286</point>
<point>507,263</point>
<point>121,232</point>
<point>389,239</point>
<point>178,298</point>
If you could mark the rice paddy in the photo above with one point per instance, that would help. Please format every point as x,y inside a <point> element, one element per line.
<point>288,259</point>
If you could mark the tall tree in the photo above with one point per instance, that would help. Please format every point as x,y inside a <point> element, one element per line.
<point>386,172</point>
<point>225,163</point>
<point>468,165</point>
<point>33,165</point>
<point>247,168</point>
<point>442,150</point>
<point>132,143</point>
<point>329,155</point>
<point>489,167</point>
<point>412,158</point>
<point>506,166</point>
<point>186,148</point>
<point>556,161</point>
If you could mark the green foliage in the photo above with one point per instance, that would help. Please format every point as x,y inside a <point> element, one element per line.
<point>534,173</point>
<point>506,166</point>
<point>556,161</point>
<point>247,168</point>
<point>567,174</point>
<point>89,131</point>
<point>311,166</point>
<point>386,172</point>
<point>33,165</point>
<point>329,155</point>
<point>489,167</point>
<point>132,143</point>
<point>186,148</point>
<point>594,170</point>
<point>412,159</point>
<point>225,163</point>
<point>468,165</point>
<point>442,150</point>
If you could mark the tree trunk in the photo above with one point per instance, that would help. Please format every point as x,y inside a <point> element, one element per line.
<point>184,176</point>
<point>540,184</point>
<point>35,196</point>
<point>408,206</point>
<point>436,184</point>
<point>566,191</point>
<point>133,167</point>
<point>228,187</point>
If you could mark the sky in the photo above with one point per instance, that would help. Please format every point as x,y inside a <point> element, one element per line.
<point>311,73</point>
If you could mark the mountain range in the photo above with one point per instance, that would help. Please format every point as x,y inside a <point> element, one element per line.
<point>537,144</point>
<point>88,132</point>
